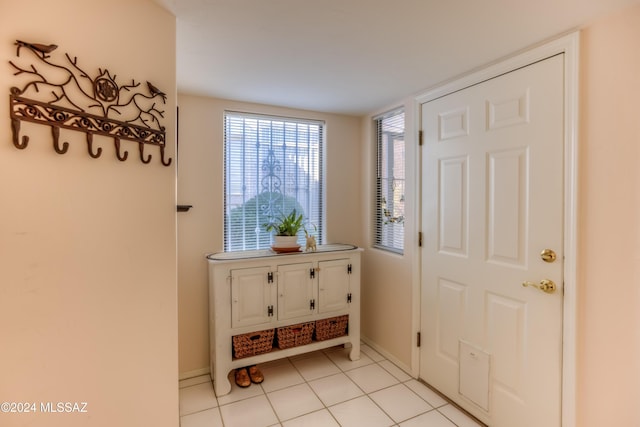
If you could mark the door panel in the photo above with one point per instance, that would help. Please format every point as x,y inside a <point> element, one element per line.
<point>296,291</point>
<point>333,285</point>
<point>251,294</point>
<point>492,200</point>
<point>506,206</point>
<point>452,305</point>
<point>454,213</point>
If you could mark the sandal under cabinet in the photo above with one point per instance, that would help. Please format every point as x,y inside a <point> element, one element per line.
<point>254,291</point>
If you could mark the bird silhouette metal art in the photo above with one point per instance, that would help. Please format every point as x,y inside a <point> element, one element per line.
<point>67,97</point>
<point>155,91</point>
<point>43,49</point>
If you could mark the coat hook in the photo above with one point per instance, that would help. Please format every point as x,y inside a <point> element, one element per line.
<point>90,147</point>
<point>55,132</point>
<point>141,145</point>
<point>167,163</point>
<point>15,127</point>
<point>121,157</point>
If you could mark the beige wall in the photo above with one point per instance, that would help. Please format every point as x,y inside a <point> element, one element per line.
<point>387,304</point>
<point>88,271</point>
<point>609,218</point>
<point>200,183</point>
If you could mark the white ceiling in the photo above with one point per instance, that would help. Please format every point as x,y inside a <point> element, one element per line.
<point>355,56</point>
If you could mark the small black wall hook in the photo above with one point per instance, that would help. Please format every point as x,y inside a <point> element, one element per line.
<point>148,159</point>
<point>15,128</point>
<point>121,157</point>
<point>93,154</point>
<point>166,163</point>
<point>55,132</point>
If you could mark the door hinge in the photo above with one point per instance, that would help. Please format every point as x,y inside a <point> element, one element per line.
<point>418,339</point>
<point>270,277</point>
<point>420,239</point>
<point>312,273</point>
<point>312,304</point>
<point>349,298</point>
<point>270,311</point>
<point>349,269</point>
<point>420,137</point>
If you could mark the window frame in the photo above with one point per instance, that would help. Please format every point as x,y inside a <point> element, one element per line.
<point>380,204</point>
<point>291,195</point>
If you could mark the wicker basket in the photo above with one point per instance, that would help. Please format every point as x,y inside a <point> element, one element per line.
<point>252,343</point>
<point>331,328</point>
<point>295,335</point>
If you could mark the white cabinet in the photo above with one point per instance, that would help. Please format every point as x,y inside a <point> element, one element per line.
<point>253,291</point>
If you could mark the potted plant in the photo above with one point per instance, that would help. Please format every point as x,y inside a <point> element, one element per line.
<point>286,228</point>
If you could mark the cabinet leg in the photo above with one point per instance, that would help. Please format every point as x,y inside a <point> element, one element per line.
<point>354,354</point>
<point>221,383</point>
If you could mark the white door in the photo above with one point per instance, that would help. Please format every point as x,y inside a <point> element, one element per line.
<point>492,197</point>
<point>297,290</point>
<point>253,296</point>
<point>333,286</point>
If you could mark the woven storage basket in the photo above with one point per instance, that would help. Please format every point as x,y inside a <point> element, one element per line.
<point>252,343</point>
<point>331,328</point>
<point>295,335</point>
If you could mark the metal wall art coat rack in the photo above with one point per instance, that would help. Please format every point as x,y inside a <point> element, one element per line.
<point>66,97</point>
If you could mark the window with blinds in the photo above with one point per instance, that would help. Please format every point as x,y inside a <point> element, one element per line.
<point>272,165</point>
<point>390,182</point>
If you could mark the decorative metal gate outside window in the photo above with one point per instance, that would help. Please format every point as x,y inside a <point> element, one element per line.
<point>272,166</point>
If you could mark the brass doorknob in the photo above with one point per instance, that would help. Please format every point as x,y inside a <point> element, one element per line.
<point>548,255</point>
<point>545,285</point>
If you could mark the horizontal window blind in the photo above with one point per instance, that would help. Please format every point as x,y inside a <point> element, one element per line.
<point>389,214</point>
<point>272,165</point>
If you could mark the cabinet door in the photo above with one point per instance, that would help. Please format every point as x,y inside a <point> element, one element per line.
<point>333,285</point>
<point>297,288</point>
<point>252,296</point>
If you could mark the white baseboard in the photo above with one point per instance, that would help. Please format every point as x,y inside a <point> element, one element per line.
<point>390,357</point>
<point>195,373</point>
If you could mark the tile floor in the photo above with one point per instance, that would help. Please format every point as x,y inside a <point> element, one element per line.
<point>321,389</point>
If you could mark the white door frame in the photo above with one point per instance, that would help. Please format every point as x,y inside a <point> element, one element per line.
<point>569,46</point>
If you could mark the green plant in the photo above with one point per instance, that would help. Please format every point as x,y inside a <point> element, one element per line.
<point>286,225</point>
<point>246,222</point>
